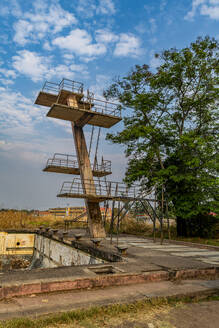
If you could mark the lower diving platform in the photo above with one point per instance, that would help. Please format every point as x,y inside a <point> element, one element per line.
<point>100,190</point>
<point>68,164</point>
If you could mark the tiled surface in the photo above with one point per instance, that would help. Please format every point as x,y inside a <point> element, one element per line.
<point>203,255</point>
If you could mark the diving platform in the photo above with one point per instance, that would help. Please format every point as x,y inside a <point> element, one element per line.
<point>68,102</point>
<point>68,164</point>
<point>98,191</point>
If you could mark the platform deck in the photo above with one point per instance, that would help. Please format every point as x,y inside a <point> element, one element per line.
<point>98,198</point>
<point>67,113</point>
<point>73,170</point>
<point>48,99</point>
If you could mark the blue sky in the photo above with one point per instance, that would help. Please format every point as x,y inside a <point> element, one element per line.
<point>91,41</point>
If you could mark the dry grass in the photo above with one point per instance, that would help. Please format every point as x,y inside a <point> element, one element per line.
<point>131,226</point>
<point>21,220</point>
<point>133,315</point>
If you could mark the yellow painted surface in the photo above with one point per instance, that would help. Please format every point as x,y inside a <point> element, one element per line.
<point>16,243</point>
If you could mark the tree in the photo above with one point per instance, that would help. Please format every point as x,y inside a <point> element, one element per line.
<point>170,130</point>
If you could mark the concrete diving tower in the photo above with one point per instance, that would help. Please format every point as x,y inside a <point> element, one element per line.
<point>80,108</point>
<point>68,102</point>
<point>68,164</point>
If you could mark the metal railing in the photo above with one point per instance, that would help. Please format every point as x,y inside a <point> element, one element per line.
<point>70,161</point>
<point>71,85</point>
<point>65,84</point>
<point>102,188</point>
<point>101,106</point>
<point>88,101</point>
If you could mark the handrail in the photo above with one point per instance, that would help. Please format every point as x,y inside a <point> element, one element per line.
<point>101,106</point>
<point>70,161</point>
<point>96,105</point>
<point>65,84</point>
<point>102,188</point>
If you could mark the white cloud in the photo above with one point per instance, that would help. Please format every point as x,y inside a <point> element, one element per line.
<point>83,6</point>
<point>68,72</point>
<point>80,43</point>
<point>211,11</point>
<point>37,67</point>
<point>4,10</point>
<point>68,58</point>
<point>47,46</point>
<point>88,8</point>
<point>141,28</point>
<point>7,76</point>
<point>9,73</point>
<point>20,137</point>
<point>23,31</point>
<point>101,83</point>
<point>10,7</point>
<point>17,115</point>
<point>106,36</point>
<point>153,25</point>
<point>44,19</point>
<point>106,7</point>
<point>128,45</point>
<point>208,8</point>
<point>15,8</point>
<point>30,64</point>
<point>6,81</point>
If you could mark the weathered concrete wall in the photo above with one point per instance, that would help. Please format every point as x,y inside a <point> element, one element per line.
<point>16,243</point>
<point>16,250</point>
<point>50,253</point>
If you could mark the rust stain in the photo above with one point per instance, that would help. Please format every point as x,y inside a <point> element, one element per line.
<point>16,243</point>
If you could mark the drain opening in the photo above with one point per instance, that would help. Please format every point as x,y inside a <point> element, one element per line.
<point>109,269</point>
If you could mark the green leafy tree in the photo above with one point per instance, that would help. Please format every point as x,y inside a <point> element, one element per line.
<point>171,127</point>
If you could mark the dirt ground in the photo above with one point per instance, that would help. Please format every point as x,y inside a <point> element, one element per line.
<point>197,315</point>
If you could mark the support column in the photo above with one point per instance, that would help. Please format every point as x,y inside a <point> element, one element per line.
<point>95,223</point>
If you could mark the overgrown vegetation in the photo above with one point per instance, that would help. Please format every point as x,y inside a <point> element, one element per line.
<point>105,316</point>
<point>171,132</point>
<point>13,219</point>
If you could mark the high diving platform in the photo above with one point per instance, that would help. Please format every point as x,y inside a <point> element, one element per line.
<point>81,109</point>
<point>67,101</point>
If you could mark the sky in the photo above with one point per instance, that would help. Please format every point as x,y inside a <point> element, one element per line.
<point>91,41</point>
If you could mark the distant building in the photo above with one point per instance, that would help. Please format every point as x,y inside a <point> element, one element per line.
<point>71,212</point>
<point>67,211</point>
<point>43,213</point>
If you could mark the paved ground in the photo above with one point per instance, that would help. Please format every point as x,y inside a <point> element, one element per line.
<point>202,255</point>
<point>142,256</point>
<point>35,305</point>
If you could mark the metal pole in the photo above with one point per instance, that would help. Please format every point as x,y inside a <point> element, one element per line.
<point>112,222</point>
<point>162,216</point>
<point>91,140</point>
<point>168,220</point>
<point>117,228</point>
<point>154,221</point>
<point>98,138</point>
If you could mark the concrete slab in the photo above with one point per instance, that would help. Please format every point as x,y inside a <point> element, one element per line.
<point>216,258</point>
<point>143,256</point>
<point>150,245</point>
<point>37,305</point>
<point>210,262</point>
<point>200,252</point>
